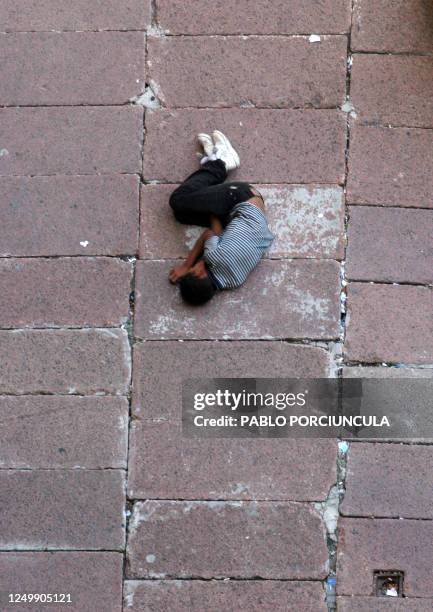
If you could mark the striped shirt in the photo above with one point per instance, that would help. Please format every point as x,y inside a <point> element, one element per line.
<point>231,257</point>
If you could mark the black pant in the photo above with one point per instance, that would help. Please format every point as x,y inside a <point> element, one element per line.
<point>205,193</point>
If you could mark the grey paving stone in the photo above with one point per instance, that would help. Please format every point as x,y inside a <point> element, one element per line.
<point>226,539</point>
<point>63,432</point>
<point>216,595</point>
<point>69,215</point>
<point>70,291</point>
<point>85,361</point>
<point>71,68</point>
<point>93,579</point>
<point>62,509</point>
<point>281,299</point>
<point>264,71</point>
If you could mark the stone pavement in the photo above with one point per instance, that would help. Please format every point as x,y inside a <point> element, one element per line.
<point>330,104</point>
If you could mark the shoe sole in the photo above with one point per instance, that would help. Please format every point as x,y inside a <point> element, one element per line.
<point>229,146</point>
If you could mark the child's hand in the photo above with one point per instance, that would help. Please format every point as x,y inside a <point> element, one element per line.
<point>177,273</point>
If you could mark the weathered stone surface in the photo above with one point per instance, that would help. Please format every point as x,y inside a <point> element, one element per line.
<point>226,539</point>
<point>62,509</point>
<point>393,89</point>
<point>229,595</point>
<point>389,480</point>
<point>390,166</point>
<point>242,17</point>
<point>307,220</point>
<point>61,361</point>
<point>71,67</point>
<point>264,71</point>
<point>366,604</point>
<point>367,545</point>
<point>162,462</point>
<point>390,244</point>
<point>389,323</point>
<point>94,580</point>
<point>69,215</point>
<point>296,146</point>
<point>281,299</point>
<point>160,368</point>
<point>34,15</point>
<point>63,432</point>
<point>75,292</point>
<point>78,140</point>
<point>396,26</point>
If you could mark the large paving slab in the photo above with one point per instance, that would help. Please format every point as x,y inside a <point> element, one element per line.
<point>242,17</point>
<point>264,71</point>
<point>69,215</point>
<point>226,539</point>
<point>389,480</point>
<point>275,145</point>
<point>162,462</point>
<point>367,604</point>
<point>63,432</point>
<point>307,220</point>
<point>71,68</point>
<point>46,15</point>
<point>217,595</point>
<point>390,245</point>
<point>78,140</point>
<point>390,166</point>
<point>388,323</point>
<point>393,89</point>
<point>392,25</point>
<point>94,579</point>
<point>70,291</point>
<point>65,361</point>
<point>62,509</point>
<point>281,299</point>
<point>160,368</point>
<point>368,545</point>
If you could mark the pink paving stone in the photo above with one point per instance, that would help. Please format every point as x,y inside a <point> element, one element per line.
<point>217,595</point>
<point>226,539</point>
<point>281,299</point>
<point>73,140</point>
<point>390,166</point>
<point>160,368</point>
<point>243,17</point>
<point>308,221</point>
<point>296,146</point>
<point>65,361</point>
<point>388,323</point>
<point>367,604</point>
<point>392,89</point>
<point>69,215</point>
<point>71,67</point>
<point>367,545</point>
<point>264,71</point>
<point>392,25</point>
<point>63,432</point>
<point>162,462</point>
<point>94,580</point>
<point>33,15</point>
<point>390,244</point>
<point>62,509</point>
<point>74,292</point>
<point>377,486</point>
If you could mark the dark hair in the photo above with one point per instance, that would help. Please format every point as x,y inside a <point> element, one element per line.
<point>196,290</point>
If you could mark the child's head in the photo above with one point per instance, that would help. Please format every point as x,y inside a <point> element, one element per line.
<point>197,287</point>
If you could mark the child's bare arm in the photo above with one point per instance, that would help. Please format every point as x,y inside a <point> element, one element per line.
<point>216,225</point>
<point>179,271</point>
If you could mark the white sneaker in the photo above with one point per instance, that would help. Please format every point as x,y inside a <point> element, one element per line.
<point>207,143</point>
<point>224,151</point>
